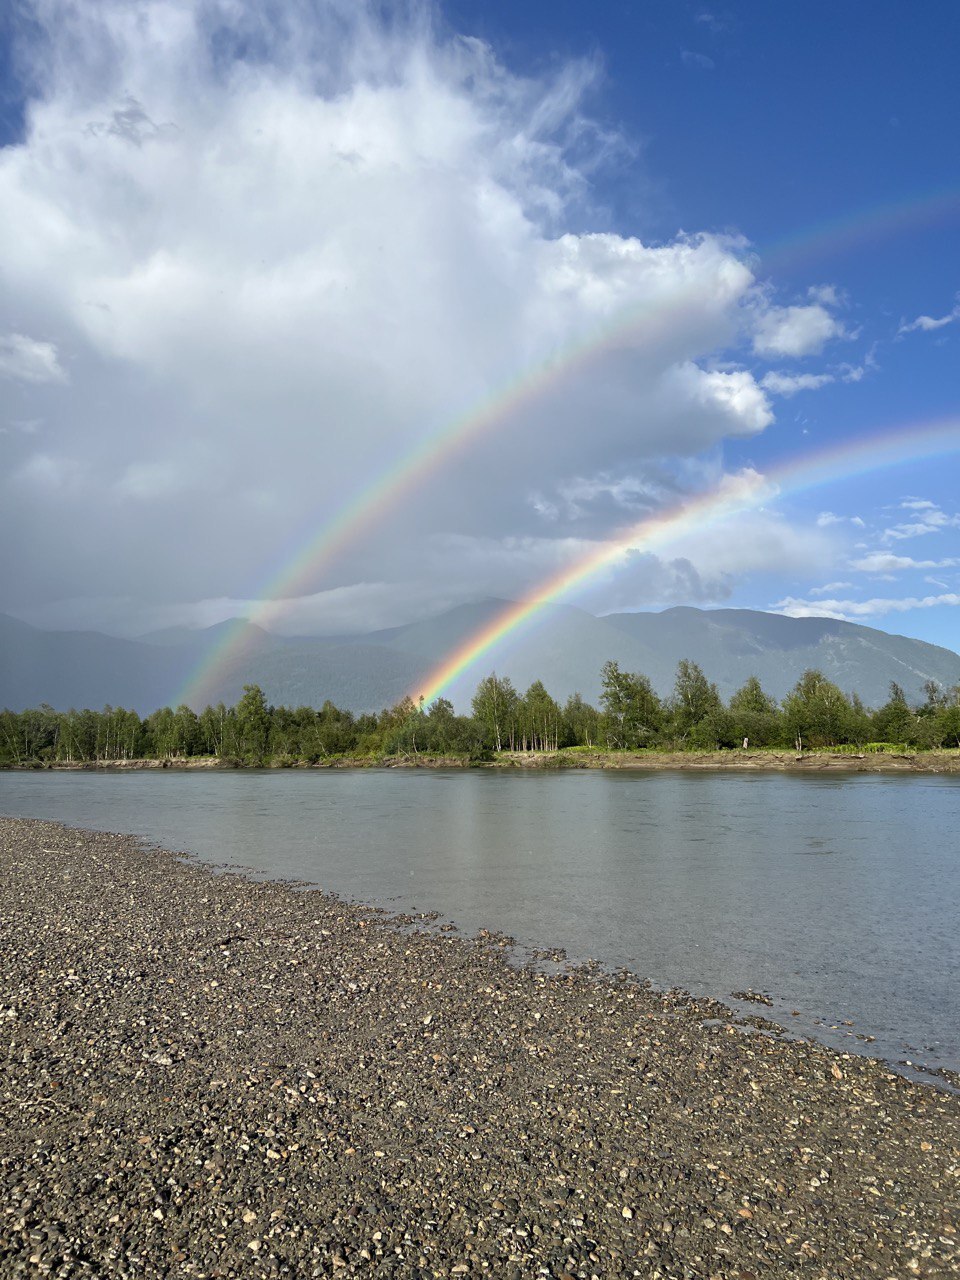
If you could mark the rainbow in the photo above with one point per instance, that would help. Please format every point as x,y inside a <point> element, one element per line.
<point>737,494</point>
<point>861,228</point>
<point>392,485</point>
<point>397,481</point>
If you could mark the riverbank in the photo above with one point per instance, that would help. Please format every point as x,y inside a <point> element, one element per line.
<point>890,761</point>
<point>206,1076</point>
<point>806,761</point>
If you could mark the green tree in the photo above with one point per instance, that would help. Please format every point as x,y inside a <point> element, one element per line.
<point>441,727</point>
<point>186,727</point>
<point>539,719</point>
<point>948,725</point>
<point>11,746</point>
<point>694,697</point>
<point>400,728</point>
<point>334,731</point>
<point>495,705</point>
<point>714,731</point>
<point>816,712</point>
<point>581,723</point>
<point>253,723</point>
<point>935,697</point>
<point>161,733</point>
<point>894,721</point>
<point>633,713</point>
<point>211,727</point>
<point>754,716</point>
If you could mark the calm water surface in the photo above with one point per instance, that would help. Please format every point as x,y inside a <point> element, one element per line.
<point>839,896</point>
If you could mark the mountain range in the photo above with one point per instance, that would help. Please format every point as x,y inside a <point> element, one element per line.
<point>366,672</point>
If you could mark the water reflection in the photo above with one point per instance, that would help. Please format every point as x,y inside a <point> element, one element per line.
<point>838,895</point>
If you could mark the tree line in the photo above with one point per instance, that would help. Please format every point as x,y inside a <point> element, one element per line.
<point>631,715</point>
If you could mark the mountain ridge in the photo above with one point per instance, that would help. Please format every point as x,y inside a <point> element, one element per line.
<point>564,646</point>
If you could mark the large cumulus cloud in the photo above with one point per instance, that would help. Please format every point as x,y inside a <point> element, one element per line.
<point>251,261</point>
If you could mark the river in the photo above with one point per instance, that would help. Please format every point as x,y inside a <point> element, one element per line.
<point>839,896</point>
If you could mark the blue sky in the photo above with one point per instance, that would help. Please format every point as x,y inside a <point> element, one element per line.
<point>256,258</point>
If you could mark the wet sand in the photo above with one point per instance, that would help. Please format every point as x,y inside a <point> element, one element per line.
<point>208,1076</point>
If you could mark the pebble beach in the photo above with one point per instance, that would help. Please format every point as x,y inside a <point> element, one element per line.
<point>206,1076</point>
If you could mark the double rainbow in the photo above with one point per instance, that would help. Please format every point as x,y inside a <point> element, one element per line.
<point>395,482</point>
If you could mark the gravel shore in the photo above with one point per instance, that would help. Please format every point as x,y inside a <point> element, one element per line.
<point>204,1076</point>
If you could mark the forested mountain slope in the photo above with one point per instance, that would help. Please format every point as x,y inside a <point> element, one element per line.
<point>565,648</point>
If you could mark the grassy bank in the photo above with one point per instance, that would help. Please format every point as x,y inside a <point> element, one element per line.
<point>887,759</point>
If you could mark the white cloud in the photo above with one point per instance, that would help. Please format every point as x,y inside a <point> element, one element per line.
<point>360,607</point>
<point>828,587</point>
<point>736,395</point>
<point>29,360</point>
<point>279,273</point>
<point>631,494</point>
<point>696,565</point>
<point>45,472</point>
<point>782,383</point>
<point>794,331</point>
<point>918,504</point>
<point>915,529</point>
<point>828,295</point>
<point>149,480</point>
<point>757,541</point>
<point>851,610</point>
<point>827,518</point>
<point>930,519</point>
<point>700,61</point>
<point>22,426</point>
<point>788,384</point>
<point>882,562</point>
<point>928,324</point>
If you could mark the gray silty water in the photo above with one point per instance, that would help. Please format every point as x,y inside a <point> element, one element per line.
<point>838,895</point>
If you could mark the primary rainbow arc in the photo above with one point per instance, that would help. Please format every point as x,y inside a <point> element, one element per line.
<point>884,449</point>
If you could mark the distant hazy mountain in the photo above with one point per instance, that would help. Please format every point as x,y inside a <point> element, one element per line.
<point>731,644</point>
<point>84,668</point>
<point>566,649</point>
